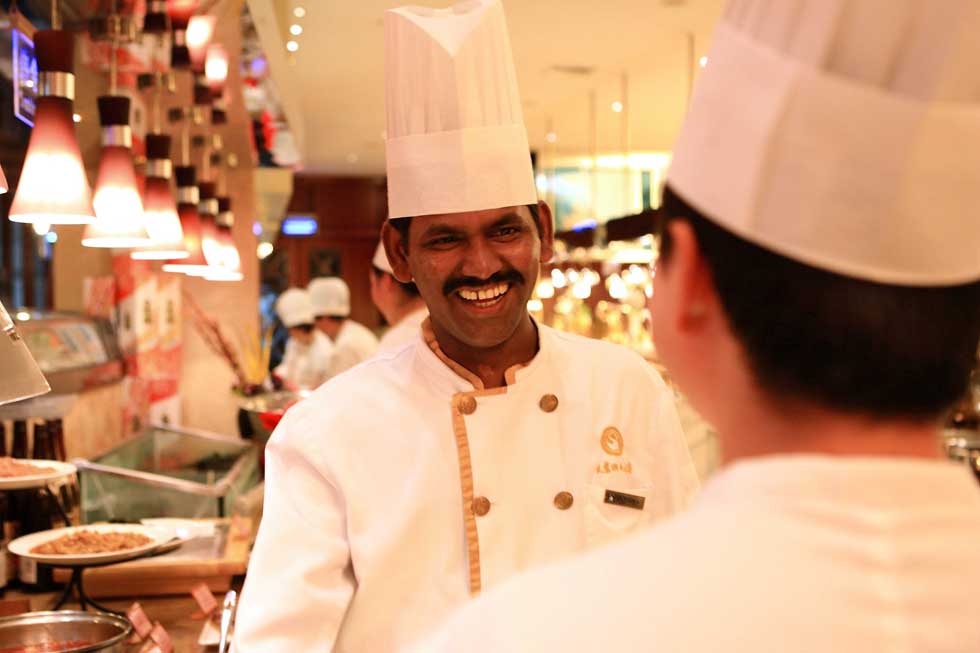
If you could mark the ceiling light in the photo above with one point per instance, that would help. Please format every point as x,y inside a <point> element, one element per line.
<point>200,31</point>
<point>159,208</point>
<point>190,223</point>
<point>299,12</point>
<point>551,137</point>
<point>216,69</point>
<point>292,46</point>
<point>53,152</point>
<point>703,61</point>
<point>295,30</point>
<point>617,106</point>
<point>41,228</point>
<point>76,117</point>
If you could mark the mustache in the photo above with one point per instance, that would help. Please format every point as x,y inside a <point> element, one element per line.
<point>504,276</point>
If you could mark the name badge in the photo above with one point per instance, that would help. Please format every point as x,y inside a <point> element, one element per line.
<point>626,500</point>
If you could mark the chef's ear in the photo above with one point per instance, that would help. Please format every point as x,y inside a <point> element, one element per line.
<point>687,278</point>
<point>546,228</point>
<point>396,246</point>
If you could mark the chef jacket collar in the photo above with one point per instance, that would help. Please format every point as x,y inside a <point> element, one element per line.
<point>457,378</point>
<point>882,483</point>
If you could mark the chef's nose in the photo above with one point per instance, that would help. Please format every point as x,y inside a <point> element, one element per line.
<point>481,261</point>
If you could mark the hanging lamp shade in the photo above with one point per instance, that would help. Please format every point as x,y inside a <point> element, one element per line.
<point>180,12</point>
<point>156,20</point>
<point>207,208</point>
<point>118,206</point>
<point>4,186</point>
<point>21,377</point>
<point>216,69</point>
<point>159,208</point>
<point>231,262</point>
<point>200,31</point>
<point>53,188</point>
<point>190,223</point>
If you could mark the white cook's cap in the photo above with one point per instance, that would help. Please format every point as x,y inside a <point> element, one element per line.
<point>844,134</point>
<point>456,140</point>
<point>380,259</point>
<point>330,297</point>
<point>294,308</point>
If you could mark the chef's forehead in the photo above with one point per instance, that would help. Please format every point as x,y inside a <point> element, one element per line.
<point>467,220</point>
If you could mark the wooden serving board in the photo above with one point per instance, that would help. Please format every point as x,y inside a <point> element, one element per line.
<point>214,561</point>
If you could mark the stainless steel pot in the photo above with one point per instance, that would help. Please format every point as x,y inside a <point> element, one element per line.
<point>106,632</point>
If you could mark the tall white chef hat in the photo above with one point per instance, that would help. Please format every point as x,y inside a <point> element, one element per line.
<point>456,140</point>
<point>330,297</point>
<point>844,134</point>
<point>294,308</point>
<point>380,259</point>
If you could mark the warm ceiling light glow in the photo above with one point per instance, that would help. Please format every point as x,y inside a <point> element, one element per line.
<point>299,12</point>
<point>53,154</point>
<point>180,11</point>
<point>76,117</point>
<point>41,228</point>
<point>551,137</point>
<point>162,223</point>
<point>264,250</point>
<point>295,30</point>
<point>703,61</point>
<point>117,202</point>
<point>216,69</point>
<point>194,263</point>
<point>617,106</point>
<point>200,31</point>
<point>292,46</point>
<point>118,207</point>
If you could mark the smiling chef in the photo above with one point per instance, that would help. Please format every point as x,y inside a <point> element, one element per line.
<point>489,444</point>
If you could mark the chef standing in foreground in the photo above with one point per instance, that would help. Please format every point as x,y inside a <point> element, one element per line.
<point>818,299</point>
<point>308,357</point>
<point>403,487</point>
<point>400,303</point>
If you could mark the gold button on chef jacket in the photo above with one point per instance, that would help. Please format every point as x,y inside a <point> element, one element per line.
<point>370,535</point>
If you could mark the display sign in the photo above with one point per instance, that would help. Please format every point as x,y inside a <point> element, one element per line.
<point>300,225</point>
<point>25,76</point>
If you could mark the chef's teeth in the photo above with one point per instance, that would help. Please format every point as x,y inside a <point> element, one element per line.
<point>484,294</point>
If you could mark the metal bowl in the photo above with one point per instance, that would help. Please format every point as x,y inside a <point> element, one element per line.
<point>106,632</point>
<point>264,410</point>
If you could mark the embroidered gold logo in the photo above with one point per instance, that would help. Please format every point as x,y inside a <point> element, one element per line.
<point>612,441</point>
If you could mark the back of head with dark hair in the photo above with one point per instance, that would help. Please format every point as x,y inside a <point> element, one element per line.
<point>843,343</point>
<point>410,290</point>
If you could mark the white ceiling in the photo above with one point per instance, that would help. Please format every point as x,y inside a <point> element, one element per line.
<point>333,87</point>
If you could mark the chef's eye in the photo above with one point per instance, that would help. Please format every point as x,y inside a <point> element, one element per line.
<point>443,241</point>
<point>506,232</point>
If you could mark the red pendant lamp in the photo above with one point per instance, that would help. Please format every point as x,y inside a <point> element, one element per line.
<point>200,31</point>
<point>159,208</point>
<point>156,20</point>
<point>190,223</point>
<point>53,188</point>
<point>230,260</point>
<point>117,202</point>
<point>180,12</point>
<point>216,69</point>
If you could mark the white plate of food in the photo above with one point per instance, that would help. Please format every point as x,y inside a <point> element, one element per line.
<point>90,545</point>
<point>20,474</point>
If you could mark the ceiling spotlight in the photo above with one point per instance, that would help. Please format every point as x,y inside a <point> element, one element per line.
<point>551,137</point>
<point>703,61</point>
<point>299,12</point>
<point>77,117</point>
<point>295,30</point>
<point>292,46</point>
<point>617,106</point>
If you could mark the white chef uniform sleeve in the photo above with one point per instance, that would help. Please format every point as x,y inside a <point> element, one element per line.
<point>345,357</point>
<point>299,580</point>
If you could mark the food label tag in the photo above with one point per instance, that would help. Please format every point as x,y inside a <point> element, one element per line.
<point>141,623</point>
<point>161,638</point>
<point>205,599</point>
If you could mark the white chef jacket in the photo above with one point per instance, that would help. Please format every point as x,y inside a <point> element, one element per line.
<point>354,344</point>
<point>305,367</point>
<point>403,332</point>
<point>803,554</point>
<point>399,489</point>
